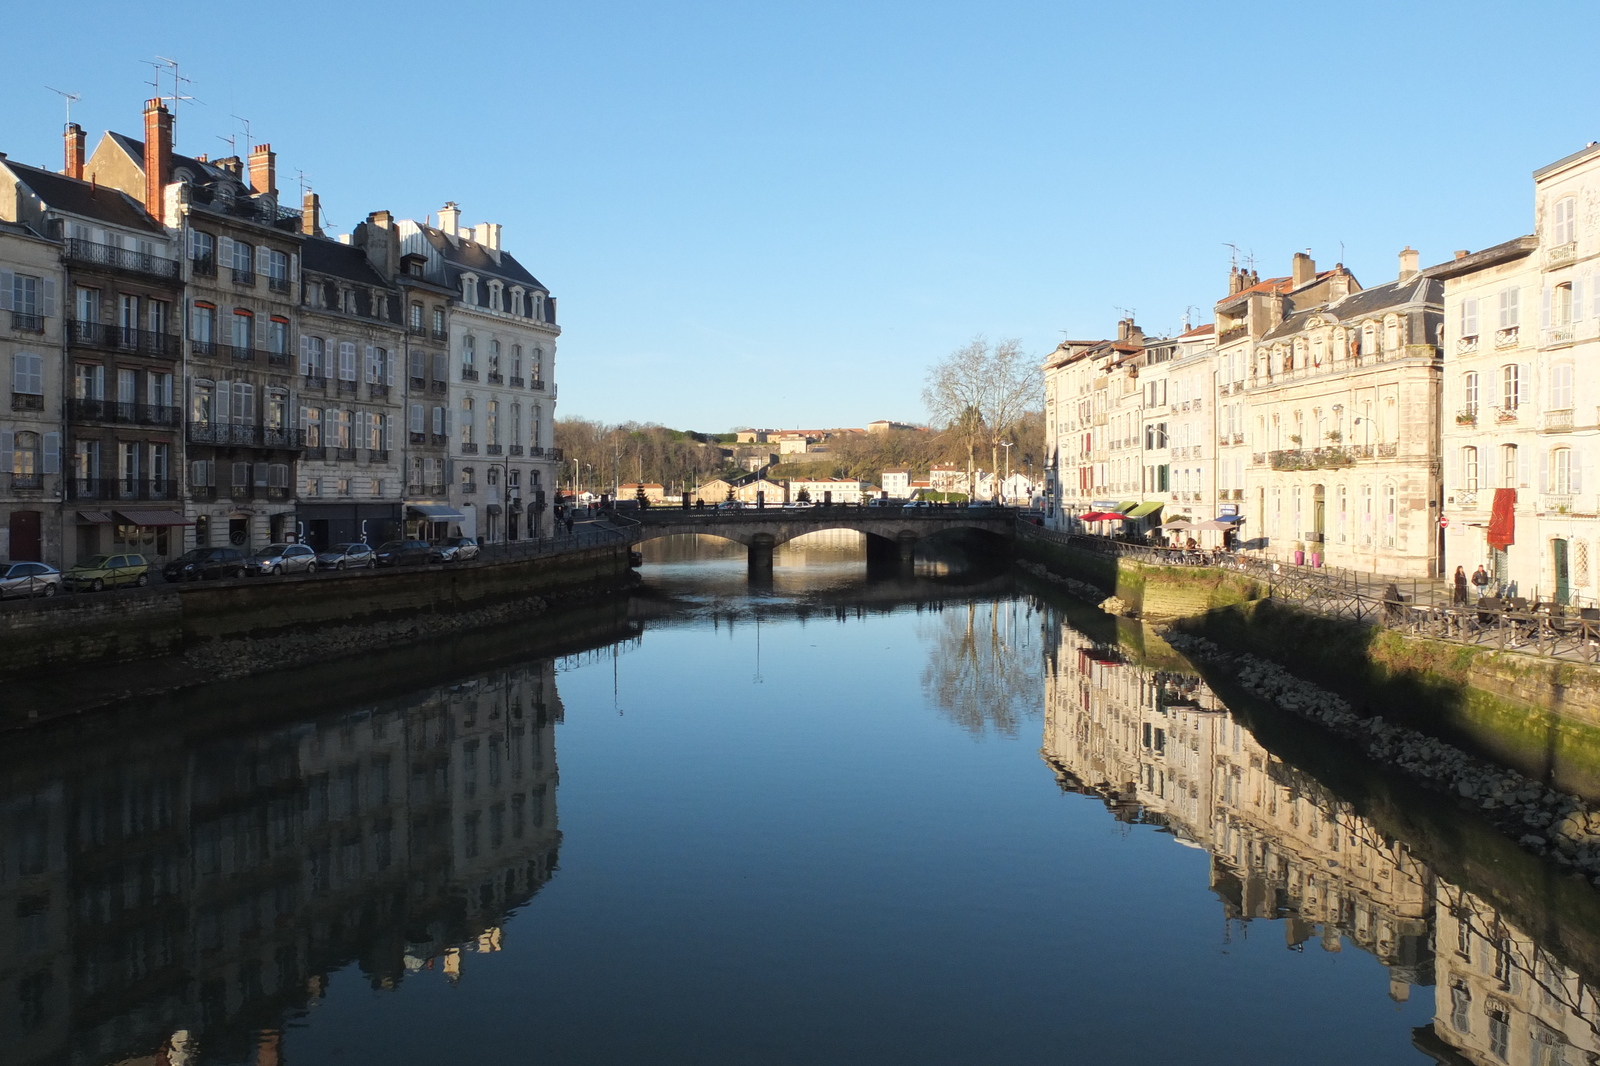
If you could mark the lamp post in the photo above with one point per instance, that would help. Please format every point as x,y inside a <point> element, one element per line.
<point>504,466</point>
<point>1007,445</point>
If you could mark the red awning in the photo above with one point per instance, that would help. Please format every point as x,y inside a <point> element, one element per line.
<point>1102,516</point>
<point>153,518</point>
<point>1503,519</point>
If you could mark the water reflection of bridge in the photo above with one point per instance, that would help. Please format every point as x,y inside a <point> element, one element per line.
<point>1158,747</point>
<point>189,891</point>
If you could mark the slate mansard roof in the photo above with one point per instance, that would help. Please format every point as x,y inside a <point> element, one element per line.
<point>1416,291</point>
<point>466,256</point>
<point>319,255</point>
<point>61,193</point>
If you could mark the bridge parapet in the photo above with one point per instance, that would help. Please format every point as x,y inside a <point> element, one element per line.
<point>776,525</point>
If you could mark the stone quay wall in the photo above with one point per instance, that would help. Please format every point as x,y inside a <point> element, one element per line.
<point>226,629</point>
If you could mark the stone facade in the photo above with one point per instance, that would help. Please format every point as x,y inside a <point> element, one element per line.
<point>32,474</point>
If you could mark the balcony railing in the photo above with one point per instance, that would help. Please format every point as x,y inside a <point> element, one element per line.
<point>241,353</point>
<point>1558,335</point>
<point>108,255</point>
<point>516,449</point>
<point>122,339</point>
<point>414,488</point>
<point>344,455</point>
<point>347,385</point>
<point>277,358</point>
<point>468,374</point>
<point>27,401</point>
<point>231,436</point>
<point>517,383</point>
<point>439,334</point>
<point>203,266</point>
<point>1558,421</point>
<point>244,277</point>
<point>495,378</point>
<point>1507,338</point>
<point>204,348</point>
<point>26,481</point>
<point>23,322</point>
<point>438,387</point>
<point>116,488</point>
<point>492,449</point>
<point>469,487</point>
<point>314,451</point>
<point>126,414</point>
<point>377,455</point>
<point>417,329</point>
<point>469,449</point>
<point>316,381</point>
<point>279,285</point>
<point>536,385</point>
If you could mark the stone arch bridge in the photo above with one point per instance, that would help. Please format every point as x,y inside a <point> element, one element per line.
<point>892,532</point>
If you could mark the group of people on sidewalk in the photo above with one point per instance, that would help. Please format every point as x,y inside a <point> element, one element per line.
<point>1480,580</point>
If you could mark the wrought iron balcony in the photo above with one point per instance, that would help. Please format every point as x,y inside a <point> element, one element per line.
<point>517,383</point>
<point>122,339</point>
<point>203,266</point>
<point>23,322</point>
<point>516,449</point>
<point>116,488</point>
<point>27,401</point>
<point>468,374</point>
<point>536,385</point>
<point>244,277</point>
<point>110,256</point>
<point>280,285</point>
<point>125,414</point>
<point>469,449</point>
<point>495,378</point>
<point>226,435</point>
<point>492,449</point>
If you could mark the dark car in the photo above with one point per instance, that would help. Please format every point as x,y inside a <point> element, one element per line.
<point>355,555</point>
<point>404,553</point>
<point>455,550</point>
<point>201,563</point>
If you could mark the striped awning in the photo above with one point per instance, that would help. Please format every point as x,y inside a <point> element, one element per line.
<point>153,518</point>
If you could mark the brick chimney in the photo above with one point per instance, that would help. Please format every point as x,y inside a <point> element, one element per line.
<point>264,169</point>
<point>1408,263</point>
<point>311,215</point>
<point>74,149</point>
<point>1235,281</point>
<point>157,156</point>
<point>1304,270</point>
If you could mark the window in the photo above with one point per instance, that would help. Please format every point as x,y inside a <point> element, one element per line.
<point>25,456</point>
<point>494,357</point>
<point>469,351</point>
<point>311,423</point>
<point>243,328</point>
<point>1390,504</point>
<point>1460,1007</point>
<point>88,381</point>
<point>158,388</point>
<point>341,429</point>
<point>275,265</point>
<point>438,421</point>
<point>1561,306</point>
<point>1561,471</point>
<point>243,258</point>
<point>202,246</point>
<point>516,422</point>
<point>416,316</point>
<point>1469,468</point>
<point>438,321</point>
<point>534,429</point>
<point>491,422</point>
<point>417,425</point>
<point>200,402</point>
<point>1508,466</point>
<point>311,356</point>
<point>1469,318</point>
<point>1510,386</point>
<point>536,368</point>
<point>203,324</point>
<point>1564,228</point>
<point>347,360</point>
<point>243,409</point>
<point>278,336</point>
<point>27,374</point>
<point>469,290</point>
<point>1469,392</point>
<point>86,304</point>
<point>1510,316</point>
<point>1561,387</point>
<point>466,420</point>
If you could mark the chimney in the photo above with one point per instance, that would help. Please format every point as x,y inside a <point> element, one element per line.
<point>488,235</point>
<point>157,156</point>
<point>379,238</point>
<point>1235,281</point>
<point>1123,326</point>
<point>1462,253</point>
<point>1339,284</point>
<point>450,219</point>
<point>264,169</point>
<point>311,215</point>
<point>1408,263</point>
<point>74,146</point>
<point>1304,270</point>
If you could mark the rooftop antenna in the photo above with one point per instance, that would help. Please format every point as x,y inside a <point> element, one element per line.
<point>1233,255</point>
<point>70,98</point>
<point>177,96</point>
<point>1127,312</point>
<point>1341,253</point>
<point>249,142</point>
<point>233,149</point>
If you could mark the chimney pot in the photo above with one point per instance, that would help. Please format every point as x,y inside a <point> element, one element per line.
<point>157,157</point>
<point>1408,263</point>
<point>450,219</point>
<point>1462,253</point>
<point>264,169</point>
<point>74,151</point>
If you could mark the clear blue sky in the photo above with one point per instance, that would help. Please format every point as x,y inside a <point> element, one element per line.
<point>780,213</point>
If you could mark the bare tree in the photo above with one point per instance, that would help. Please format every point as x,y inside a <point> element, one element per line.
<point>981,393</point>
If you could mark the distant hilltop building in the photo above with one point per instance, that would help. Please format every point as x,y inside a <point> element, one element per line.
<point>883,425</point>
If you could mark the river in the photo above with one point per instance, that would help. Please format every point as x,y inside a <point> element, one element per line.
<point>824,816</point>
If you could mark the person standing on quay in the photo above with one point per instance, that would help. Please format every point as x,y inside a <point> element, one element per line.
<point>1480,578</point>
<point>1461,587</point>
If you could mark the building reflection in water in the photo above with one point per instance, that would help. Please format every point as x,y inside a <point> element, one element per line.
<point>174,898</point>
<point>1158,747</point>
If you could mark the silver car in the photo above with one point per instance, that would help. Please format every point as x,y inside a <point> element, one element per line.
<point>280,559</point>
<point>28,579</point>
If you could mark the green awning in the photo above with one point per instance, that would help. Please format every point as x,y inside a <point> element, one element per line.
<point>1145,509</point>
<point>1126,505</point>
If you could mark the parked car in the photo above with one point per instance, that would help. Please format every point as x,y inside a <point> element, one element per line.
<point>880,502</point>
<point>729,505</point>
<point>107,571</point>
<point>982,505</point>
<point>198,563</point>
<point>455,550</point>
<point>404,553</point>
<point>28,579</point>
<point>279,559</point>
<point>355,555</point>
<point>919,503</point>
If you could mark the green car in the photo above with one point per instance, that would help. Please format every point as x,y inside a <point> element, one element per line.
<point>107,571</point>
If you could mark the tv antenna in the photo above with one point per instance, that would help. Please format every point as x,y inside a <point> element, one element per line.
<point>70,98</point>
<point>1233,257</point>
<point>233,149</point>
<point>248,141</point>
<point>160,65</point>
<point>1129,312</point>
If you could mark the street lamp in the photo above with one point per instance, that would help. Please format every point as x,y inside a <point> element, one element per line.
<point>1007,445</point>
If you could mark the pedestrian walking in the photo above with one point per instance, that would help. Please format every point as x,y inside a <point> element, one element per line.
<point>1461,587</point>
<point>569,525</point>
<point>1480,579</point>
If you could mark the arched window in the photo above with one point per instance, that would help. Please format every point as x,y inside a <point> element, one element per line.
<point>1316,352</point>
<point>1469,468</point>
<point>1561,471</point>
<point>1510,386</point>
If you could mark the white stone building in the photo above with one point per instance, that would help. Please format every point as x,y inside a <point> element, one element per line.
<point>31,338</point>
<point>500,417</point>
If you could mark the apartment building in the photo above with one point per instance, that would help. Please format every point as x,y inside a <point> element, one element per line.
<point>1176,402</point>
<point>429,514</point>
<point>1068,378</point>
<point>31,475</point>
<point>350,477</point>
<point>500,416</point>
<point>241,274</point>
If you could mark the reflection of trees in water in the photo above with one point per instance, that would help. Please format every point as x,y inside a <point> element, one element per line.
<point>985,666</point>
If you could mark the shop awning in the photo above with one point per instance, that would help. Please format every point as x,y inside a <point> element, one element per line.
<point>493,508</point>
<point>1145,509</point>
<point>1124,507</point>
<point>94,517</point>
<point>153,518</point>
<point>436,512</point>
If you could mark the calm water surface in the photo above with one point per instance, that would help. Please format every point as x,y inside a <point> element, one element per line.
<point>825,819</point>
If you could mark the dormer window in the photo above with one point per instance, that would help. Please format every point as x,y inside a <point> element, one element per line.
<point>494,296</point>
<point>469,290</point>
<point>538,306</point>
<point>516,300</point>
